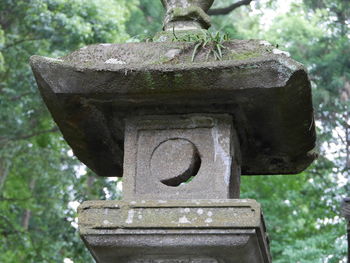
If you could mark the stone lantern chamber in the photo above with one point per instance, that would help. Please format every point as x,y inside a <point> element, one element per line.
<point>180,119</point>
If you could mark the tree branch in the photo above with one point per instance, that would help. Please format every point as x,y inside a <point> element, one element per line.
<point>28,136</point>
<point>15,98</point>
<point>228,9</point>
<point>25,137</point>
<point>14,199</point>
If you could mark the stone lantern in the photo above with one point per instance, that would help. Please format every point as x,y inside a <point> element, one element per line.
<point>180,125</point>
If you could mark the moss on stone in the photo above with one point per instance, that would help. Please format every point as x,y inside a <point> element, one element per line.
<point>244,55</point>
<point>178,79</point>
<point>178,36</point>
<point>150,84</point>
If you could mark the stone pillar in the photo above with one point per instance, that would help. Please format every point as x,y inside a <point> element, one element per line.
<point>194,156</point>
<point>180,131</point>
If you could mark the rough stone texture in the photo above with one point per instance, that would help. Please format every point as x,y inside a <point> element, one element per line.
<point>176,148</point>
<point>201,231</point>
<point>175,161</point>
<point>91,91</point>
<point>203,4</point>
<point>186,14</point>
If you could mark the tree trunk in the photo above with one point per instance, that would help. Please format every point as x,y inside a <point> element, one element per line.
<point>27,212</point>
<point>4,171</point>
<point>89,186</point>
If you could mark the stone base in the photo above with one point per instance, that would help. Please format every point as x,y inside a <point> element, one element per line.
<point>201,231</point>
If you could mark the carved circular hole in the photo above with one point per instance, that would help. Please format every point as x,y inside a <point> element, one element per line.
<point>175,161</point>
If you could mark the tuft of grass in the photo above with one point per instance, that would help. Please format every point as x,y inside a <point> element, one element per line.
<point>210,41</point>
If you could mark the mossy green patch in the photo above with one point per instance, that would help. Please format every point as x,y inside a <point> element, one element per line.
<point>178,79</point>
<point>178,36</point>
<point>150,84</point>
<point>244,55</point>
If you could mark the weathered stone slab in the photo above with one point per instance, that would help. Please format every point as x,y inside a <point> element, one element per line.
<point>91,91</point>
<point>180,156</point>
<point>205,231</point>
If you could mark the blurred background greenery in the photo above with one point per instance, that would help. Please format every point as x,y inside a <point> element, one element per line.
<point>41,183</point>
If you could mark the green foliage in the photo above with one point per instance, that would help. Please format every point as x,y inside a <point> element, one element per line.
<point>37,177</point>
<point>211,42</point>
<point>146,20</point>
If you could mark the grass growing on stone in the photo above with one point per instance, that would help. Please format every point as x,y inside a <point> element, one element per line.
<point>211,41</point>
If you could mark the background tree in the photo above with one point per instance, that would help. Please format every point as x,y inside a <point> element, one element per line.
<point>307,227</point>
<point>40,180</point>
<point>37,177</point>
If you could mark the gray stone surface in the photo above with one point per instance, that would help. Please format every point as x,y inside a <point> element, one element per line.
<point>186,14</point>
<point>175,161</point>
<point>163,152</point>
<point>93,90</point>
<point>201,231</point>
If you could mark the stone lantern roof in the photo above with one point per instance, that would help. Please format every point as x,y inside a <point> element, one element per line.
<point>91,91</point>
